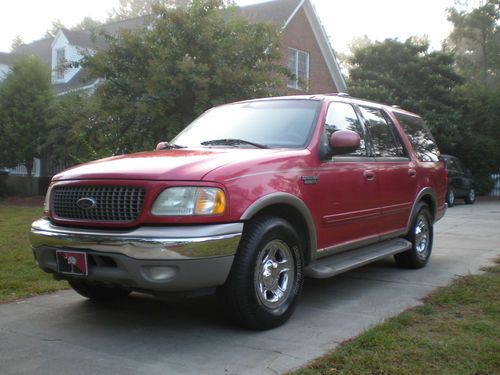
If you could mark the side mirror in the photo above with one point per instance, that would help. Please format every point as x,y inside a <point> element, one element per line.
<point>344,142</point>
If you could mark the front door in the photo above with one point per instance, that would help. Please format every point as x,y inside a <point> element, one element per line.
<point>347,187</point>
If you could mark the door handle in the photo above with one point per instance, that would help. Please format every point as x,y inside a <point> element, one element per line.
<point>412,172</point>
<point>369,175</point>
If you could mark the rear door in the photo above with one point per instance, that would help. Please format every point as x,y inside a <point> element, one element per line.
<point>396,173</point>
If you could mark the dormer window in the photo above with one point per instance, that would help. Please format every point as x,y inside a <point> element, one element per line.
<point>298,64</point>
<point>60,61</point>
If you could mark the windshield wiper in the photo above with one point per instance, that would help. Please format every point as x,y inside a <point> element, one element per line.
<point>231,142</point>
<point>168,146</point>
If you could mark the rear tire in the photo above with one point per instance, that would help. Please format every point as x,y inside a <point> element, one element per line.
<point>450,196</point>
<point>266,278</point>
<point>421,237</point>
<point>471,196</point>
<point>97,292</point>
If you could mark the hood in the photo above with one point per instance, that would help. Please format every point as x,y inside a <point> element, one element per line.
<point>187,165</point>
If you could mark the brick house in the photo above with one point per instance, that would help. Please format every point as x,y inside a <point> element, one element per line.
<point>306,50</point>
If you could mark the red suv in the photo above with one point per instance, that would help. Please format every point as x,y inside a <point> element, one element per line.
<point>250,198</point>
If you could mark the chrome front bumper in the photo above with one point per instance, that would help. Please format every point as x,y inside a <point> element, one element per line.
<point>154,243</point>
<point>189,257</point>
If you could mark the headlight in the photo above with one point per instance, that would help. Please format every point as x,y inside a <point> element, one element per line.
<point>184,201</point>
<point>46,202</point>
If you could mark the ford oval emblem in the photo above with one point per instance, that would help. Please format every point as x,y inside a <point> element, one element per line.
<point>86,203</point>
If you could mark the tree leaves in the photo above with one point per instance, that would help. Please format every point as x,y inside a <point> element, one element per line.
<point>407,74</point>
<point>25,100</point>
<point>160,77</point>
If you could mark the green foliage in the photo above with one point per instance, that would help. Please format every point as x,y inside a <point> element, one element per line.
<point>16,43</point>
<point>408,75</point>
<point>87,24</point>
<point>462,112</point>
<point>479,133</point>
<point>25,99</point>
<point>135,8</point>
<point>73,130</point>
<point>475,40</point>
<point>159,78</point>
<point>56,26</point>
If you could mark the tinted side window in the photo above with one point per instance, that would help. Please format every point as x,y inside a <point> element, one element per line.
<point>341,116</point>
<point>385,143</point>
<point>459,166</point>
<point>420,137</point>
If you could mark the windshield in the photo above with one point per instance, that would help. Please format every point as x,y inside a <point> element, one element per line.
<point>266,123</point>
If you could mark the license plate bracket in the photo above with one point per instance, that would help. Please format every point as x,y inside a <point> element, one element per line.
<point>72,262</point>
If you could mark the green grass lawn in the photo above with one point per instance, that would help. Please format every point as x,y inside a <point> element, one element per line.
<point>456,331</point>
<point>19,275</point>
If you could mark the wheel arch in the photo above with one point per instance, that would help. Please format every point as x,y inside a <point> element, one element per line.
<point>428,196</point>
<point>291,209</point>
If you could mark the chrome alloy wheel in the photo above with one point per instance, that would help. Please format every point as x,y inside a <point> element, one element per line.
<point>274,274</point>
<point>422,236</point>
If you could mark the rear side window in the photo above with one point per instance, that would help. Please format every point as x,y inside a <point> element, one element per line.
<point>420,137</point>
<point>385,142</point>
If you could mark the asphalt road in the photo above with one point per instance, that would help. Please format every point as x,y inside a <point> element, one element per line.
<point>63,333</point>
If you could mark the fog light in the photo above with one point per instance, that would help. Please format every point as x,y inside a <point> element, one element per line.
<point>160,273</point>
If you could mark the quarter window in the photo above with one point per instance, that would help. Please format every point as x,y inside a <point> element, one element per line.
<point>298,64</point>
<point>341,116</point>
<point>420,137</point>
<point>385,143</point>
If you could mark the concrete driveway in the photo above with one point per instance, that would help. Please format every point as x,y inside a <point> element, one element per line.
<point>63,333</point>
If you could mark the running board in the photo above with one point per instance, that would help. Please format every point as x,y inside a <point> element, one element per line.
<point>338,263</point>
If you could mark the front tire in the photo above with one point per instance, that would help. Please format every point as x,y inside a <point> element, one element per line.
<point>266,278</point>
<point>421,236</point>
<point>97,292</point>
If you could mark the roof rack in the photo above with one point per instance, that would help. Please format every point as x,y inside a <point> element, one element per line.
<point>396,106</point>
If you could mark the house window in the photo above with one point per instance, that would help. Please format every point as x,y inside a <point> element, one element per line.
<point>298,64</point>
<point>60,61</point>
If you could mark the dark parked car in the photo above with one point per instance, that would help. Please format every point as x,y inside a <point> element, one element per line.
<point>460,183</point>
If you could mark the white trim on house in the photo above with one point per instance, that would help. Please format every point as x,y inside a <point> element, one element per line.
<point>293,15</point>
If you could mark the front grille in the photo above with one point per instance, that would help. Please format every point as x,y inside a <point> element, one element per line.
<point>109,203</point>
